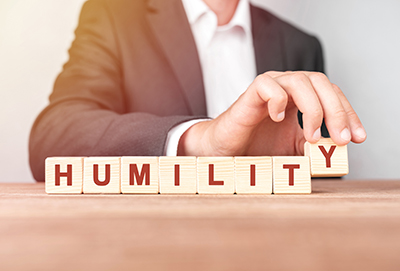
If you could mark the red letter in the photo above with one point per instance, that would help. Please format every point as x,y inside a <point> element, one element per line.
<point>177,183</point>
<point>96,175</point>
<point>134,172</point>
<point>291,172</point>
<point>327,155</point>
<point>67,174</point>
<point>211,176</point>
<point>252,175</point>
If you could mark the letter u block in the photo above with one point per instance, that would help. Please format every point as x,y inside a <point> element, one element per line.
<point>215,175</point>
<point>327,159</point>
<point>139,175</point>
<point>64,175</point>
<point>291,175</point>
<point>101,175</point>
<point>178,175</point>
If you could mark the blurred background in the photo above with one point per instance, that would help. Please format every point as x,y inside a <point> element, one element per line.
<point>361,44</point>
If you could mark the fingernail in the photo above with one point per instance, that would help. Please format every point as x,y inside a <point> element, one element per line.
<point>281,115</point>
<point>345,134</point>
<point>317,134</point>
<point>360,132</point>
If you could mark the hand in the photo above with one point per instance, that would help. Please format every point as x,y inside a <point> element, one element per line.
<point>263,121</point>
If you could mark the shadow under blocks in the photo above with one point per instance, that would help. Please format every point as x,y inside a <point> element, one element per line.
<point>196,175</point>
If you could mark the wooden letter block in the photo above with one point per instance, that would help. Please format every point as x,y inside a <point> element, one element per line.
<point>64,175</point>
<point>253,175</point>
<point>101,175</point>
<point>215,175</point>
<point>139,175</point>
<point>178,174</point>
<point>291,175</point>
<point>327,159</point>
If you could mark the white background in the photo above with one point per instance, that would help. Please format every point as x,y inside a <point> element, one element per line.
<point>361,41</point>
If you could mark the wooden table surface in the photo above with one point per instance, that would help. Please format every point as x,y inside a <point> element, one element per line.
<point>343,225</point>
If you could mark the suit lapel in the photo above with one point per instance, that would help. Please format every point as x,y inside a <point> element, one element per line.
<point>267,42</point>
<point>172,30</point>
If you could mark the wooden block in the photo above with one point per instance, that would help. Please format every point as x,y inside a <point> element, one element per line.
<point>64,175</point>
<point>178,174</point>
<point>291,175</point>
<point>253,175</point>
<point>327,159</point>
<point>215,175</point>
<point>139,175</point>
<point>101,175</point>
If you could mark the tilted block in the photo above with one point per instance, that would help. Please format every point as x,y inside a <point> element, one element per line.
<point>139,175</point>
<point>291,175</point>
<point>253,175</point>
<point>101,175</point>
<point>215,175</point>
<point>327,159</point>
<point>64,175</point>
<point>178,174</point>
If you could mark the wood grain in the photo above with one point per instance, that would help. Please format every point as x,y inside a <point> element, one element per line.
<point>187,173</point>
<point>139,161</point>
<point>339,164</point>
<point>342,225</point>
<point>302,180</point>
<point>76,166</point>
<point>224,171</point>
<point>89,185</point>
<point>263,174</point>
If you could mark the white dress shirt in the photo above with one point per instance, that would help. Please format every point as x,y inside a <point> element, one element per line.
<point>227,60</point>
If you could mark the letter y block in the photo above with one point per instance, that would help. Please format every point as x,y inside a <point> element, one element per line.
<point>327,159</point>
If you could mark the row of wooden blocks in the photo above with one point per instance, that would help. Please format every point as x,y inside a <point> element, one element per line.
<point>191,175</point>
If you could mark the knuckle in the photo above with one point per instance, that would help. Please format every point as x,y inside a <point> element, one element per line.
<point>339,112</point>
<point>352,115</point>
<point>299,78</point>
<point>319,76</point>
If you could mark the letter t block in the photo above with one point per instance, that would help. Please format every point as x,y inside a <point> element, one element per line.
<point>291,175</point>
<point>327,159</point>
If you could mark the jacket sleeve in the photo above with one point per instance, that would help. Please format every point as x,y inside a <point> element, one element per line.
<point>86,115</point>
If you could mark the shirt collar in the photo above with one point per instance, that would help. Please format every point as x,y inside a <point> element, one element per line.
<point>196,8</point>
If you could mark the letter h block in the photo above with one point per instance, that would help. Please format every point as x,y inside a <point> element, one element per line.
<point>327,159</point>
<point>101,175</point>
<point>64,175</point>
<point>139,175</point>
<point>291,175</point>
<point>215,175</point>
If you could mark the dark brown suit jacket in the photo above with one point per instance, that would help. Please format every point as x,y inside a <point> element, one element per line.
<point>134,73</point>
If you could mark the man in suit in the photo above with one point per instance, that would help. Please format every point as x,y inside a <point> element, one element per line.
<point>188,77</point>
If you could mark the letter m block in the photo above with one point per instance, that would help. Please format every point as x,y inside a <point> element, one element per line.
<point>64,175</point>
<point>327,159</point>
<point>139,175</point>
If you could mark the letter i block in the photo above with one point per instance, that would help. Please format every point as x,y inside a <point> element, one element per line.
<point>253,175</point>
<point>101,175</point>
<point>64,175</point>
<point>178,175</point>
<point>327,159</point>
<point>215,175</point>
<point>139,175</point>
<point>291,175</point>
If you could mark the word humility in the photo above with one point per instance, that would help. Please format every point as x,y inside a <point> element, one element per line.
<point>191,175</point>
